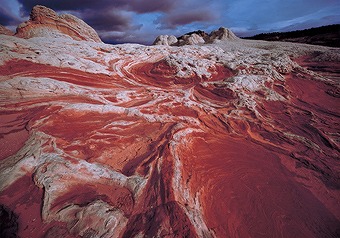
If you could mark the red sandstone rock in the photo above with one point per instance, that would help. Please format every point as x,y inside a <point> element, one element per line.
<point>5,31</point>
<point>234,139</point>
<point>45,22</point>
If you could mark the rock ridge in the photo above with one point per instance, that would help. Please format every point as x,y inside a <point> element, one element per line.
<point>5,31</point>
<point>197,38</point>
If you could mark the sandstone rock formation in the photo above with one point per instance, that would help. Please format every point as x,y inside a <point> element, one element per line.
<point>232,139</point>
<point>5,31</point>
<point>165,40</point>
<point>197,38</point>
<point>222,34</point>
<point>45,22</point>
<point>192,39</point>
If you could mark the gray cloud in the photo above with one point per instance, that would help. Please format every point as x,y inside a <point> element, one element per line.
<point>108,20</point>
<point>173,20</point>
<point>148,6</point>
<point>76,5</point>
<point>138,6</point>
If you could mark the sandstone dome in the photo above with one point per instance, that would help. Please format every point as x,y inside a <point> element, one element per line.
<point>44,22</point>
<point>222,34</point>
<point>197,38</point>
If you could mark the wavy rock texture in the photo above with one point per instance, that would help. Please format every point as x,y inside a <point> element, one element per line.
<point>236,139</point>
<point>5,31</point>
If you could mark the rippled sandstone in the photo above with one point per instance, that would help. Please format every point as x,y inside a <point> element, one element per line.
<point>232,139</point>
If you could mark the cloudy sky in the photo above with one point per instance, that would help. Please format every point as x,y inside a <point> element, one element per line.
<point>140,21</point>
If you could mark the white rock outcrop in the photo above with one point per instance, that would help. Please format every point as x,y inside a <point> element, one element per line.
<point>165,40</point>
<point>197,38</point>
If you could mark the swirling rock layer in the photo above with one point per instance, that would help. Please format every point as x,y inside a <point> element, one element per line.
<point>236,139</point>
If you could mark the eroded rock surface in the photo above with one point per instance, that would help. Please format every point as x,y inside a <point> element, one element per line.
<point>222,34</point>
<point>165,40</point>
<point>197,38</point>
<point>5,31</point>
<point>45,22</point>
<point>235,139</point>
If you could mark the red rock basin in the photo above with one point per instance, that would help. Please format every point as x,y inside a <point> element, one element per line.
<point>141,151</point>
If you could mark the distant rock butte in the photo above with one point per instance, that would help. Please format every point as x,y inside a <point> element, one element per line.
<point>45,22</point>
<point>165,40</point>
<point>238,138</point>
<point>197,38</point>
<point>222,34</point>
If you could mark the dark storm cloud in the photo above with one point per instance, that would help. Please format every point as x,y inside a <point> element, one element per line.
<point>187,12</point>
<point>149,6</point>
<point>174,20</point>
<point>138,6</point>
<point>107,20</point>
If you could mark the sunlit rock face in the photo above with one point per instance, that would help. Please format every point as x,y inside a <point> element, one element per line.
<point>44,22</point>
<point>234,139</point>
